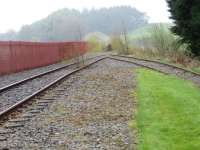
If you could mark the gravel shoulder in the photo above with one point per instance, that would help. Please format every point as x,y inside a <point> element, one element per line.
<point>92,113</point>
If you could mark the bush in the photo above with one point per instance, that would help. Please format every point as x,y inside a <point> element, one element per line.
<point>161,40</point>
<point>95,45</point>
<point>119,45</point>
<point>160,43</point>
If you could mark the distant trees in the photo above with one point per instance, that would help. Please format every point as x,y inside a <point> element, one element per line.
<point>66,24</point>
<point>105,20</point>
<point>56,27</point>
<point>186,16</point>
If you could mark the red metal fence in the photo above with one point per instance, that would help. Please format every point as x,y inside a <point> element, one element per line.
<point>18,56</point>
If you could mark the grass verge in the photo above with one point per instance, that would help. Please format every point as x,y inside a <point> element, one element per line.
<point>168,112</point>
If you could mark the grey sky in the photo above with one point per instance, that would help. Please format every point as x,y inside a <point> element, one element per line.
<point>15,13</point>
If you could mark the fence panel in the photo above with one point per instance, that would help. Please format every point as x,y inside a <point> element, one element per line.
<point>5,55</point>
<point>18,56</point>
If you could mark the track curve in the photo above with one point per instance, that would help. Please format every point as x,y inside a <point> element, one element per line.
<point>164,68</point>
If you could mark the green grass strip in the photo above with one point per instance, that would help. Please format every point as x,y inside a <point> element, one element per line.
<point>168,112</point>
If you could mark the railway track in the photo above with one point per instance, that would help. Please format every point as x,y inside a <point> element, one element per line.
<point>24,109</point>
<point>139,62</point>
<point>17,114</point>
<point>23,101</point>
<point>18,117</point>
<point>9,86</point>
<point>163,68</point>
<point>153,65</point>
<point>14,92</point>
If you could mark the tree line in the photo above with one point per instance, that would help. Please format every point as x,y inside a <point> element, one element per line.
<point>71,24</point>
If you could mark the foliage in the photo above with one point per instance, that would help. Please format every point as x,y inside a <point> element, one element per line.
<point>69,24</point>
<point>159,37</point>
<point>158,42</point>
<point>94,44</point>
<point>120,39</point>
<point>168,112</point>
<point>186,14</point>
<point>164,40</point>
<point>145,31</point>
<point>155,41</point>
<point>117,44</point>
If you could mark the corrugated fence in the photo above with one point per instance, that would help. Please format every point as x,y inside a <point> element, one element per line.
<point>18,56</point>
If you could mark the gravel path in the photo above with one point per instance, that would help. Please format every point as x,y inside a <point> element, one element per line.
<point>92,114</point>
<point>169,70</point>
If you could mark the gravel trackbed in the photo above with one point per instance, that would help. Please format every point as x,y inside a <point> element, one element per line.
<point>92,113</point>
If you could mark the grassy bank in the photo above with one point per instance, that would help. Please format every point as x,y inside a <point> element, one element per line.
<point>168,113</point>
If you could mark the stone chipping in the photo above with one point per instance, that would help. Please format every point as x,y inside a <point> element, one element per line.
<point>92,113</point>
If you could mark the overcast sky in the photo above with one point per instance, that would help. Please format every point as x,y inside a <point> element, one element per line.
<point>15,13</point>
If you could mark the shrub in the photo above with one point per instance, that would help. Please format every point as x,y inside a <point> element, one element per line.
<point>164,40</point>
<point>161,41</point>
<point>119,45</point>
<point>95,45</point>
